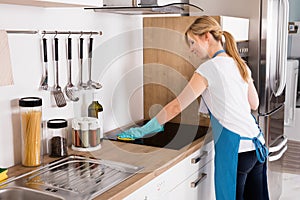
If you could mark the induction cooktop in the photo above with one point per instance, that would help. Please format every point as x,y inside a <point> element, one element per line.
<point>175,136</point>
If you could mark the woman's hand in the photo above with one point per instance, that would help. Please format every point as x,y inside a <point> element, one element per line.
<point>138,132</point>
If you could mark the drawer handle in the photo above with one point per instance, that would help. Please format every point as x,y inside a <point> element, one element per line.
<point>197,159</point>
<point>199,180</point>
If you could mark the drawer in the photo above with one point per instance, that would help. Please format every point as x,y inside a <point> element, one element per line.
<point>175,175</point>
<point>199,185</point>
<point>199,158</point>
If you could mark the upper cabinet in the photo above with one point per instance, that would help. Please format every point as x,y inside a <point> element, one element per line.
<point>55,3</point>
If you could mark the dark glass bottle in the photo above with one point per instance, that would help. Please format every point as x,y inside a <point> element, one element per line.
<point>95,110</point>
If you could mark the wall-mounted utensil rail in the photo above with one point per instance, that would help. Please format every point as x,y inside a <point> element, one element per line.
<point>70,89</point>
<point>54,32</point>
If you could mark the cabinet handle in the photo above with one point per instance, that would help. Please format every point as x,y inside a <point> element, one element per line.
<point>198,158</point>
<point>199,180</point>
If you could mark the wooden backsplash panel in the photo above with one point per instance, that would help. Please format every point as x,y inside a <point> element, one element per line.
<point>168,66</point>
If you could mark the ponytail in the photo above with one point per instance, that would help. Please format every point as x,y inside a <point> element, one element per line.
<point>232,51</point>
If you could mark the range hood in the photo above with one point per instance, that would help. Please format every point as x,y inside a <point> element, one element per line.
<point>138,7</point>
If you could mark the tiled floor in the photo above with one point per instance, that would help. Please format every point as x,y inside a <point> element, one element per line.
<point>291,172</point>
<point>291,186</point>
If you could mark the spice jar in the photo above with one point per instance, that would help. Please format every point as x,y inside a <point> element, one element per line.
<point>31,134</point>
<point>84,134</point>
<point>58,146</point>
<point>76,133</point>
<point>94,133</point>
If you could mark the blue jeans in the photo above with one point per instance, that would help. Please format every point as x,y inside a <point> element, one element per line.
<point>250,177</point>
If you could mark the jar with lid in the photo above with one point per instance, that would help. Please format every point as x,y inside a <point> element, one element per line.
<point>76,141</point>
<point>31,134</point>
<point>94,132</point>
<point>57,129</point>
<point>84,134</point>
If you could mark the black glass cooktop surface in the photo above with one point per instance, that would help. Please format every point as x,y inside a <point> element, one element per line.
<point>174,136</point>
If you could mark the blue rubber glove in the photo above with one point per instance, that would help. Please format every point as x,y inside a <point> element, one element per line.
<point>138,132</point>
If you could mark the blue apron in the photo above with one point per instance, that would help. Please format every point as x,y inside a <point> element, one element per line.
<point>226,160</point>
<point>226,157</point>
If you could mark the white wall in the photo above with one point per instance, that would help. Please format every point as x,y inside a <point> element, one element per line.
<point>117,65</point>
<point>294,10</point>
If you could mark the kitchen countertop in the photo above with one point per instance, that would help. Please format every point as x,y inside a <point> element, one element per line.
<point>154,160</point>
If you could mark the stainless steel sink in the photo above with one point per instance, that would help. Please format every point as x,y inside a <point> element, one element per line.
<point>21,193</point>
<point>73,177</point>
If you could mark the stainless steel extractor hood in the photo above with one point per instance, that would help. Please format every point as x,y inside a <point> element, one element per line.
<point>136,7</point>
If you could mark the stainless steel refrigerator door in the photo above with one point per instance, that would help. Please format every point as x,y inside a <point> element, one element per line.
<point>272,70</point>
<point>273,60</point>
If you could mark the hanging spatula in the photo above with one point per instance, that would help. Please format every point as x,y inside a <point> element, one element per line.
<point>57,93</point>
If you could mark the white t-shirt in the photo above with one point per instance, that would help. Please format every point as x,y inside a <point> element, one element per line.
<point>227,99</point>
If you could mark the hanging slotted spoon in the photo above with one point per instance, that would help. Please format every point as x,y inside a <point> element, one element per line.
<point>70,89</point>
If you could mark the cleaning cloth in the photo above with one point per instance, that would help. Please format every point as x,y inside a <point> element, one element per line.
<point>3,174</point>
<point>6,76</point>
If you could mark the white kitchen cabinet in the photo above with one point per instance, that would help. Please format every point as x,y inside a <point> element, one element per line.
<point>186,170</point>
<point>199,186</point>
<point>238,27</point>
<point>55,3</point>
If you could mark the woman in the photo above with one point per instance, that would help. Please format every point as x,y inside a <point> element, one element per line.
<point>225,83</point>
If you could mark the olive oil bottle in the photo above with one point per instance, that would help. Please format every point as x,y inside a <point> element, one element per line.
<point>95,110</point>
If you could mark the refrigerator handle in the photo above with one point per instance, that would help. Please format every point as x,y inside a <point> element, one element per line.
<point>277,155</point>
<point>283,21</point>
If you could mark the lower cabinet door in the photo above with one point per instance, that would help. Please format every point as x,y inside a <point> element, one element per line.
<point>199,186</point>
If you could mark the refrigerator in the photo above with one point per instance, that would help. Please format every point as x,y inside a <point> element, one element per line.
<point>269,67</point>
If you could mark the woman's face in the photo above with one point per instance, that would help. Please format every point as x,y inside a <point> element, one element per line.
<point>198,45</point>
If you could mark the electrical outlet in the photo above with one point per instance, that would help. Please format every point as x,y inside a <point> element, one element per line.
<point>294,27</point>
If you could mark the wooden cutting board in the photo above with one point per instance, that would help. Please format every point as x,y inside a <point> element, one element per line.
<point>168,66</point>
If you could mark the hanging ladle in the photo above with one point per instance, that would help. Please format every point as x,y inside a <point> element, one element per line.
<point>91,84</point>
<point>70,89</point>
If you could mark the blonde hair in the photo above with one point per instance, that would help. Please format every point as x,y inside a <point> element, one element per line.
<point>206,24</point>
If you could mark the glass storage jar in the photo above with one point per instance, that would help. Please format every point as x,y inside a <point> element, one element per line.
<point>58,146</point>
<point>31,134</point>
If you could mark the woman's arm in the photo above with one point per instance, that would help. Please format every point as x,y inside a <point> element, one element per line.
<point>252,96</point>
<point>192,91</point>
